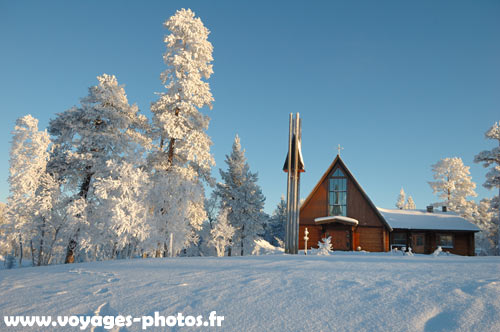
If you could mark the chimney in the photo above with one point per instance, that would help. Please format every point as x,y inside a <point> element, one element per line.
<point>430,208</point>
<point>444,208</point>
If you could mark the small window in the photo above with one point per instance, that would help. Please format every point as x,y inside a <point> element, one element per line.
<point>445,240</point>
<point>399,239</point>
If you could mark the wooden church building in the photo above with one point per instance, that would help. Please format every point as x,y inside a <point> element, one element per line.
<point>339,207</point>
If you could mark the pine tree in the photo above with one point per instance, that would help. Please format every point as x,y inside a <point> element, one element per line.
<point>181,159</point>
<point>222,233</point>
<point>104,127</point>
<point>453,185</point>
<point>275,230</point>
<point>400,204</point>
<point>410,204</point>
<point>242,197</point>
<point>492,158</point>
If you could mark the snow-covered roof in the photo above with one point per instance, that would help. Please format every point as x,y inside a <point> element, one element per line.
<point>341,219</point>
<point>421,219</point>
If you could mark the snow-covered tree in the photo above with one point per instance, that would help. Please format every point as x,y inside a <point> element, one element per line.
<point>242,197</point>
<point>4,246</point>
<point>212,208</point>
<point>410,204</point>
<point>181,159</point>
<point>325,246</point>
<point>33,191</point>
<point>275,228</point>
<point>453,185</point>
<point>400,204</point>
<point>104,127</point>
<point>485,219</point>
<point>492,158</point>
<point>222,233</point>
<point>123,207</point>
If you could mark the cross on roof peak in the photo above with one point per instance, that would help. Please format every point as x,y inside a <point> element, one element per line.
<point>339,148</point>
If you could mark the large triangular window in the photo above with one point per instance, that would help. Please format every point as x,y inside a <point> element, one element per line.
<point>337,194</point>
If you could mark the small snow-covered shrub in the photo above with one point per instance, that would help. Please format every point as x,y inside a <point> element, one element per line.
<point>325,246</point>
<point>437,251</point>
<point>262,247</point>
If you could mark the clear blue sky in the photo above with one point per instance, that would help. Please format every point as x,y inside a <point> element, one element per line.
<point>399,84</point>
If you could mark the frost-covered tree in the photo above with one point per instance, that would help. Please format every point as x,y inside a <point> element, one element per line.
<point>325,246</point>
<point>32,190</point>
<point>222,233</point>
<point>123,207</point>
<point>453,186</point>
<point>212,208</point>
<point>4,247</point>
<point>492,158</point>
<point>242,197</point>
<point>410,204</point>
<point>400,203</point>
<point>275,228</point>
<point>485,219</point>
<point>181,159</point>
<point>104,127</point>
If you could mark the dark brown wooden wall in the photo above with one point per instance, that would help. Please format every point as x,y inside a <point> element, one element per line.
<point>370,235</point>
<point>463,241</point>
<point>357,206</point>
<point>316,207</point>
<point>371,238</point>
<point>314,236</point>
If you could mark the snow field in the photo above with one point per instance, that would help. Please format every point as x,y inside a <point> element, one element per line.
<point>341,292</point>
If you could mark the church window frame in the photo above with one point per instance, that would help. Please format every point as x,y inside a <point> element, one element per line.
<point>337,193</point>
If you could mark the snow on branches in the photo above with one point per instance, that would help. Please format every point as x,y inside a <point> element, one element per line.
<point>400,204</point>
<point>242,197</point>
<point>492,158</point>
<point>453,185</point>
<point>325,246</point>
<point>181,157</point>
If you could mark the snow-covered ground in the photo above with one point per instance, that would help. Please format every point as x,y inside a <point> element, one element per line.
<point>341,292</point>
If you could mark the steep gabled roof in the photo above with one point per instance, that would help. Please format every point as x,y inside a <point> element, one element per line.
<point>339,161</point>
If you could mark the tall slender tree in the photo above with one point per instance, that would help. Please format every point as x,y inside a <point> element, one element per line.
<point>492,158</point>
<point>181,159</point>
<point>242,197</point>
<point>32,189</point>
